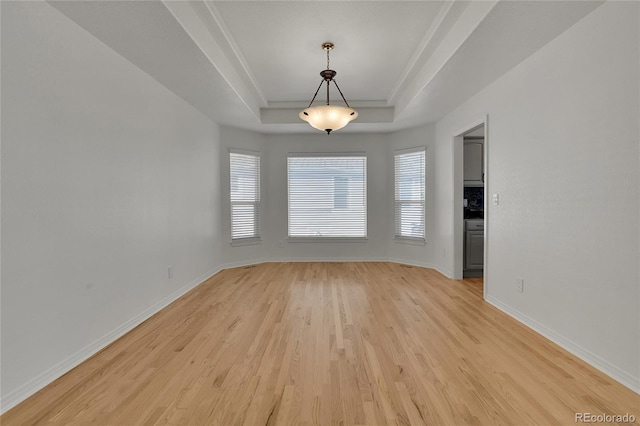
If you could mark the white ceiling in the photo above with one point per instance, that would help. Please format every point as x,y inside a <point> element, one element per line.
<point>284,44</point>
<point>254,64</point>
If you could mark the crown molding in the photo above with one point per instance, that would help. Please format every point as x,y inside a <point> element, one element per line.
<point>442,22</point>
<point>453,26</point>
<point>205,27</point>
<point>232,47</point>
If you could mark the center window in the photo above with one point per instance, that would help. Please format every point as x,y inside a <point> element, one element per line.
<point>327,196</point>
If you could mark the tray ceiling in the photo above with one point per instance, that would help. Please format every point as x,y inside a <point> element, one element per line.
<point>254,64</point>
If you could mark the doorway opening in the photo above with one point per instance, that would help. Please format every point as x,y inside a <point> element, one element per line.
<point>470,227</point>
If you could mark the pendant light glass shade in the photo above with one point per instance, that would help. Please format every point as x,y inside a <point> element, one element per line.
<point>328,118</point>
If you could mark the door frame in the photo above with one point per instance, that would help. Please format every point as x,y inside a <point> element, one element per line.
<point>458,194</point>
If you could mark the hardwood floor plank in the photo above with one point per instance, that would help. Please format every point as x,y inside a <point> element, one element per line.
<point>328,343</point>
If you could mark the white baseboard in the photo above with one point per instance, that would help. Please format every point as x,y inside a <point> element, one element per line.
<point>587,356</point>
<point>18,395</point>
<point>438,268</point>
<point>242,263</point>
<point>21,393</point>
<point>334,259</point>
<point>326,259</point>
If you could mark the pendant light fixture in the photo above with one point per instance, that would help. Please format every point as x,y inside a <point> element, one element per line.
<point>328,117</point>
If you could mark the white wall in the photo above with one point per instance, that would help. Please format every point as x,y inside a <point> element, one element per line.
<point>380,245</point>
<point>275,224</point>
<point>245,140</point>
<point>563,154</point>
<point>431,254</point>
<point>274,150</point>
<point>107,180</point>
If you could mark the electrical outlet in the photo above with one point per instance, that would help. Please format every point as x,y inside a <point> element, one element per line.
<point>520,285</point>
<point>170,272</point>
<point>496,199</point>
<point>280,243</point>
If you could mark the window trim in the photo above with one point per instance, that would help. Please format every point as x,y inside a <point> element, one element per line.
<point>329,239</point>
<point>405,239</point>
<point>254,239</point>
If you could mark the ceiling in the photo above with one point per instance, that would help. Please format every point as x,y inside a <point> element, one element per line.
<point>255,64</point>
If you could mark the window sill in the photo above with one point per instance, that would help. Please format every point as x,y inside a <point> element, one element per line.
<point>245,242</point>
<point>327,239</point>
<point>410,241</point>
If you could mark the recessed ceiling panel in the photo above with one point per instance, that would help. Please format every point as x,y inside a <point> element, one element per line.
<point>281,43</point>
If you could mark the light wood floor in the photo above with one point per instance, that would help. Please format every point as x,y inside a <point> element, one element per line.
<point>328,343</point>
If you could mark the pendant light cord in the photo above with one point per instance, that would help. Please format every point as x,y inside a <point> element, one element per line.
<point>314,96</point>
<point>345,101</point>
<point>328,80</point>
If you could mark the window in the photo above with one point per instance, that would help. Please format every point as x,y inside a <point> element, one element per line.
<point>244,179</point>
<point>327,196</point>
<point>409,194</point>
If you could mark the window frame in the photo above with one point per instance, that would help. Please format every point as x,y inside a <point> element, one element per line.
<point>316,239</point>
<point>257,237</point>
<point>407,239</point>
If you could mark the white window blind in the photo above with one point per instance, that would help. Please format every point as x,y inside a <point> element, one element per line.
<point>245,196</point>
<point>327,196</point>
<point>409,194</point>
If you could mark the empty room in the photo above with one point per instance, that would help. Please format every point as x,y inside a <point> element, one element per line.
<point>319,212</point>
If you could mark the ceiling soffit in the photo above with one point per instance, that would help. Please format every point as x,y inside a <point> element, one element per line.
<point>148,35</point>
